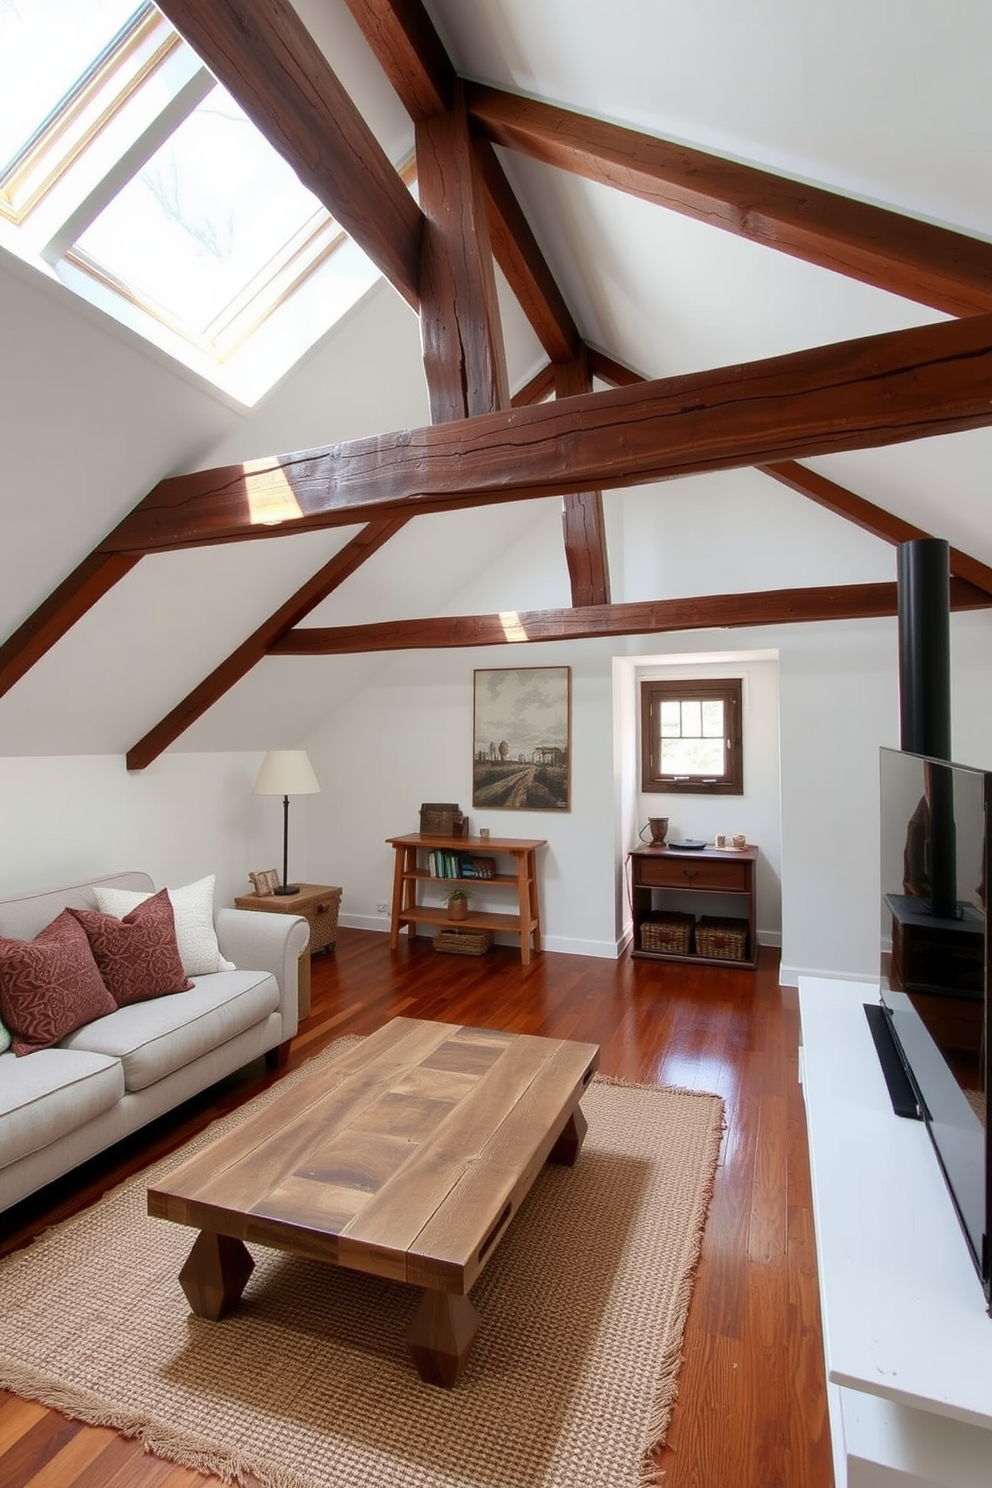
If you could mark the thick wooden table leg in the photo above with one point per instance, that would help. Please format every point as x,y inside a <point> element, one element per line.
<point>215,1274</point>
<point>440,1336</point>
<point>569,1144</point>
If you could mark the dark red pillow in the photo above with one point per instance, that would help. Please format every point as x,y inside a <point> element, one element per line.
<point>50,985</point>
<point>137,956</point>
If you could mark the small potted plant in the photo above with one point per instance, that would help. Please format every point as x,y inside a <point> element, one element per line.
<point>458,904</point>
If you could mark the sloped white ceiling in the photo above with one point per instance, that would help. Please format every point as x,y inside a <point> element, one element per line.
<point>888,100</point>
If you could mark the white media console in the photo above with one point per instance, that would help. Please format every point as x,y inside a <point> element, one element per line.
<point>907,1339</point>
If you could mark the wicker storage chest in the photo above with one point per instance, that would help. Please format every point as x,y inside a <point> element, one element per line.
<point>723,939</point>
<point>669,931</point>
<point>318,904</point>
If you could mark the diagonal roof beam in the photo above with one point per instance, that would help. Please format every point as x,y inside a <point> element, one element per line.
<point>871,518</point>
<point>79,592</point>
<point>265,57</point>
<point>933,265</point>
<point>410,52</point>
<point>771,607</point>
<point>412,55</point>
<point>859,394</point>
<point>527,270</point>
<point>250,652</point>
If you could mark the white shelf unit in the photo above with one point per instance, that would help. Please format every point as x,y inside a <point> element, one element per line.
<point>907,1338</point>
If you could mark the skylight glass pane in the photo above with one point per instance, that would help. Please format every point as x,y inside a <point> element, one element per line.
<point>209,212</point>
<point>46,47</point>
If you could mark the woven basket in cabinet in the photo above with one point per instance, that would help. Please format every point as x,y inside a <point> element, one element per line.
<point>721,939</point>
<point>669,931</point>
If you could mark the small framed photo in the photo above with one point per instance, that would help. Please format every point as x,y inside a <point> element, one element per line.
<point>264,883</point>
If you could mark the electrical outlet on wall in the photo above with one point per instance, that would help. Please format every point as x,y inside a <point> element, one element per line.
<point>382,908</point>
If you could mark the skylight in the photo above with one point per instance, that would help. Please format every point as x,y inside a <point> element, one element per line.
<point>44,51</point>
<point>138,181</point>
<point>213,206</point>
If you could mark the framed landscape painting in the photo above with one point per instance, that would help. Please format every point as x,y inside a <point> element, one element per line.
<point>522,739</point>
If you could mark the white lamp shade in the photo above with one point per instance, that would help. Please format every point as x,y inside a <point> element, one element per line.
<point>286,772</point>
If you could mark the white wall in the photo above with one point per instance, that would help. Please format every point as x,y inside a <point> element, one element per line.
<point>70,819</point>
<point>407,738</point>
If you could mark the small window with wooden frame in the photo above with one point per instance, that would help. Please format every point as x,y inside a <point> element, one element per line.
<point>691,736</point>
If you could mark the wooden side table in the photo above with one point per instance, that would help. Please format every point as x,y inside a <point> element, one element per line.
<point>318,904</point>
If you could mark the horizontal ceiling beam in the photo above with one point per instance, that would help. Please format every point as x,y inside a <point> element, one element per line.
<point>265,57</point>
<point>725,611</point>
<point>932,265</point>
<point>874,391</point>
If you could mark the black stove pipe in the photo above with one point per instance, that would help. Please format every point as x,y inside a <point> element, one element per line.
<point>925,698</point>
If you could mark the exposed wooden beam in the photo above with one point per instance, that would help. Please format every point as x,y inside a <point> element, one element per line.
<point>871,518</point>
<point>583,523</point>
<point>78,593</point>
<point>874,391</point>
<point>610,371</point>
<point>250,652</point>
<point>460,328</point>
<point>527,270</point>
<point>410,53</point>
<point>772,607</point>
<point>540,387</point>
<point>933,265</point>
<point>265,57</point>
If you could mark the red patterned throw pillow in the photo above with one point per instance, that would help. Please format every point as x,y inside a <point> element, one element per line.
<point>50,985</point>
<point>137,956</point>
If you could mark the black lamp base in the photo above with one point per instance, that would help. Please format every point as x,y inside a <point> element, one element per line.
<point>287,889</point>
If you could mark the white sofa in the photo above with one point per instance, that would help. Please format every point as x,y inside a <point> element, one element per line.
<point>59,1106</point>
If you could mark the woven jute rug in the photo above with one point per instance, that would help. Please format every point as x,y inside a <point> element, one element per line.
<point>307,1384</point>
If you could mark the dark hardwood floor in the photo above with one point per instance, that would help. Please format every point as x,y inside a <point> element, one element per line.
<point>751,1411</point>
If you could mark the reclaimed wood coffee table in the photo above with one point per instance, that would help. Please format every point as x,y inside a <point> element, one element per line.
<point>407,1158</point>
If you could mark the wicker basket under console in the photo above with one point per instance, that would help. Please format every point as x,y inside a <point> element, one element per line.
<point>722,938</point>
<point>463,942</point>
<point>668,931</point>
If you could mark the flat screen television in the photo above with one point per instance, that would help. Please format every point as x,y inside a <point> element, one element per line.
<point>934,966</point>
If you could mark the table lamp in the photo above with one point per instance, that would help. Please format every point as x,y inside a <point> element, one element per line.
<point>286,772</point>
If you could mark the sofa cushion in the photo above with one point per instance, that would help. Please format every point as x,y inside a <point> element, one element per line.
<point>137,956</point>
<point>193,907</point>
<point>50,1095</point>
<point>50,985</point>
<point>152,1039</point>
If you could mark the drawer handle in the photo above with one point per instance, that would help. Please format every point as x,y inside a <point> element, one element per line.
<point>322,909</point>
<point>690,872</point>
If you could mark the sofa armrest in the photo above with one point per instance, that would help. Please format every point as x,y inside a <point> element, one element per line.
<point>267,942</point>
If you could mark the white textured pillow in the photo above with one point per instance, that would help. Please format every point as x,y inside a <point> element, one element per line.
<point>193,907</point>
<point>4,1039</point>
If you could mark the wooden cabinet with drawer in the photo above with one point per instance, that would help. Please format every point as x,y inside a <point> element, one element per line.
<point>660,876</point>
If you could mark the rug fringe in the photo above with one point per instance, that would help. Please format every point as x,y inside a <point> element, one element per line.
<point>157,1437</point>
<point>672,1360</point>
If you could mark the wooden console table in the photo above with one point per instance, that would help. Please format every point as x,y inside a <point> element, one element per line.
<point>700,872</point>
<point>412,873</point>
